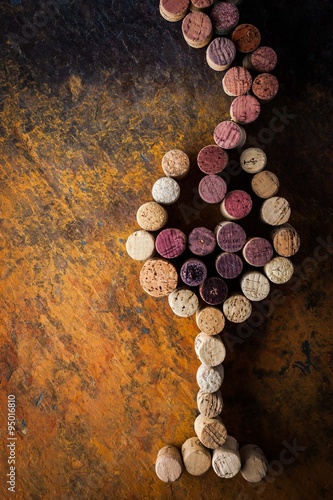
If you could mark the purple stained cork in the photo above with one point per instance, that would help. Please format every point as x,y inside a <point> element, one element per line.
<point>229,265</point>
<point>265,87</point>
<point>245,109</point>
<point>236,205</point>
<point>257,252</point>
<point>220,53</point>
<point>201,241</point>
<point>263,60</point>
<point>193,272</point>
<point>224,17</point>
<point>212,159</point>
<point>229,135</point>
<point>212,188</point>
<point>230,236</point>
<point>170,243</point>
<point>237,81</point>
<point>213,291</point>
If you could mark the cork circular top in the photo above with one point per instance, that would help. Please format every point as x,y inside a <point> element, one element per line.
<point>246,37</point>
<point>140,245</point>
<point>286,240</point>
<point>202,4</point>
<point>170,243</point>
<point>220,53</point>
<point>237,308</point>
<point>237,204</point>
<point>201,241</point>
<point>197,29</point>
<point>175,163</point>
<point>166,191</point>
<point>174,10</point>
<point>212,188</point>
<point>212,159</point>
<point>265,184</point>
<point>279,270</point>
<point>151,216</point>
<point>168,465</point>
<point>245,109</point>
<point>228,265</point>
<point>227,134</point>
<point>225,17</point>
<point>209,349</point>
<point>258,251</point>
<point>265,86</point>
<point>255,286</point>
<point>254,463</point>
<point>253,160</point>
<point>209,404</point>
<point>230,236</point>
<point>210,378</point>
<point>263,59</point>
<point>213,291</point>
<point>211,432</point>
<point>237,81</point>
<point>193,272</point>
<point>158,277</point>
<point>196,457</point>
<point>275,211</point>
<point>210,320</point>
<point>183,302</point>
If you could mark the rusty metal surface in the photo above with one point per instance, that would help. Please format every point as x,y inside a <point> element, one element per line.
<point>103,374</point>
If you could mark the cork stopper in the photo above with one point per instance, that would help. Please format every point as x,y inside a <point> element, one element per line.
<point>158,277</point>
<point>209,349</point>
<point>213,291</point>
<point>279,270</point>
<point>246,38</point>
<point>197,29</point>
<point>286,240</point>
<point>183,302</point>
<point>151,216</point>
<point>265,87</point>
<point>193,272</point>
<point>275,211</point>
<point>201,241</point>
<point>174,10</point>
<point>212,189</point>
<point>230,236</point>
<point>169,465</point>
<point>166,191</point>
<point>220,53</point>
<point>237,308</point>
<point>257,252</point>
<point>176,164</point>
<point>210,378</point>
<point>263,60</point>
<point>140,245</point>
<point>210,404</point>
<point>212,159</point>
<point>255,286</point>
<point>197,459</point>
<point>211,431</point>
<point>199,5</point>
<point>265,184</point>
<point>245,109</point>
<point>253,160</point>
<point>229,135</point>
<point>170,243</point>
<point>237,81</point>
<point>236,205</point>
<point>228,265</point>
<point>226,460</point>
<point>225,17</point>
<point>210,320</point>
<point>254,463</point>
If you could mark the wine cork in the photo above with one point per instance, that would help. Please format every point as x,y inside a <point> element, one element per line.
<point>209,349</point>
<point>229,135</point>
<point>201,241</point>
<point>220,53</point>
<point>151,216</point>
<point>225,17</point>
<point>213,291</point>
<point>158,277</point>
<point>169,465</point>
<point>183,302</point>
<point>245,109</point>
<point>265,87</point>
<point>174,10</point>
<point>255,286</point>
<point>275,211</point>
<point>263,60</point>
<point>176,164</point>
<point>210,378</point>
<point>193,272</point>
<point>237,81</point>
<point>265,184</point>
<point>226,460</point>
<point>212,189</point>
<point>211,431</point>
<point>286,240</point>
<point>140,245</point>
<point>230,236</point>
<point>236,205</point>
<point>212,159</point>
<point>197,459</point>
<point>254,463</point>
<point>228,265</point>
<point>246,37</point>
<point>170,243</point>
<point>279,270</point>
<point>210,320</point>
<point>253,160</point>
<point>166,191</point>
<point>257,251</point>
<point>210,404</point>
<point>237,308</point>
<point>197,29</point>
<point>199,5</point>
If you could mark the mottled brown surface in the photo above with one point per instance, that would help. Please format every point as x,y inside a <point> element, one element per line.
<point>104,375</point>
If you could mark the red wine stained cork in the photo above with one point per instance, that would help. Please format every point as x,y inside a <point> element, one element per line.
<point>286,240</point>
<point>183,302</point>
<point>237,81</point>
<point>212,159</point>
<point>158,277</point>
<point>174,10</point>
<point>246,37</point>
<point>166,191</point>
<point>210,320</point>
<point>193,272</point>
<point>170,243</point>
<point>236,205</point>
<point>220,53</point>
<point>244,109</point>
<point>197,459</point>
<point>254,463</point>
<point>229,135</point>
<point>197,29</point>
<point>211,431</point>
<point>210,404</point>
<point>228,265</point>
<point>253,160</point>
<point>169,465</point>
<point>265,184</point>
<point>201,241</point>
<point>212,189</point>
<point>198,5</point>
<point>255,286</point>
<point>226,460</point>
<point>257,251</point>
<point>176,164</point>
<point>237,308</point>
<point>225,17</point>
<point>151,216</point>
<point>263,60</point>
<point>279,270</point>
<point>275,211</point>
<point>213,291</point>
<point>140,245</point>
<point>265,87</point>
<point>230,236</point>
<point>210,378</point>
<point>209,349</point>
